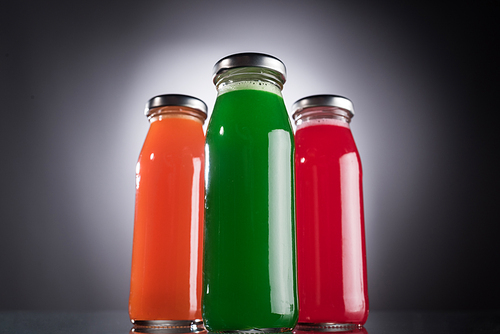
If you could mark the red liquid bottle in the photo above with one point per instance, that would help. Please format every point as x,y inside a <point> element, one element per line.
<point>331,252</point>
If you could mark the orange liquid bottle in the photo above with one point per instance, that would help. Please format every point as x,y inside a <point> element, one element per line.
<point>166,276</point>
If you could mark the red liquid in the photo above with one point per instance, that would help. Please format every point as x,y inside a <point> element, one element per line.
<point>331,251</point>
<point>355,330</point>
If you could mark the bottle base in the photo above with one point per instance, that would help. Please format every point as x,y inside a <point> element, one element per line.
<point>326,326</point>
<point>257,330</point>
<point>167,326</point>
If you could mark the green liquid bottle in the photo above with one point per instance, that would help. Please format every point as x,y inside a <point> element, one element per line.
<point>249,270</point>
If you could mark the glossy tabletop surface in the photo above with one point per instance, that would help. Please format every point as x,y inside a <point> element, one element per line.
<point>379,322</point>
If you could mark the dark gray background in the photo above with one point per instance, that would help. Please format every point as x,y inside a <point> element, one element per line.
<point>75,77</point>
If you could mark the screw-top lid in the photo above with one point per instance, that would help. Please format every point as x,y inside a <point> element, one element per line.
<point>175,100</point>
<point>249,59</point>
<point>323,101</point>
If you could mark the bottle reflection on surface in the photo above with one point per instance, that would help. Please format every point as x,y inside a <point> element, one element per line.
<point>164,330</point>
<point>300,329</point>
<point>334,328</point>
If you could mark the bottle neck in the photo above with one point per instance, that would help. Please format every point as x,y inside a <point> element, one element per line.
<point>255,78</point>
<point>323,115</point>
<point>169,112</point>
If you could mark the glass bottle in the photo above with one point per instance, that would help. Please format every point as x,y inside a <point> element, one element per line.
<point>331,251</point>
<point>166,278</point>
<point>249,268</point>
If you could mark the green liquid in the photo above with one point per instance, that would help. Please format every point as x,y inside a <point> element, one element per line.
<point>249,268</point>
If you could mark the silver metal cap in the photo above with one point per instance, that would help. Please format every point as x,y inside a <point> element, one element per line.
<point>249,59</point>
<point>323,101</point>
<point>175,100</point>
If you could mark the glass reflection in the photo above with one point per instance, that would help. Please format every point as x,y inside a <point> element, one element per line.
<point>334,328</point>
<point>300,329</point>
<point>170,330</point>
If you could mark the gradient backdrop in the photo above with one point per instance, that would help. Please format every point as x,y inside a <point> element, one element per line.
<point>75,77</point>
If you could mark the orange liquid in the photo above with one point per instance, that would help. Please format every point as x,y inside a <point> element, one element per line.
<point>167,251</point>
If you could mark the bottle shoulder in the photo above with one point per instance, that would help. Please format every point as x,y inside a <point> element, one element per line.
<point>249,109</point>
<point>325,141</point>
<point>174,137</point>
